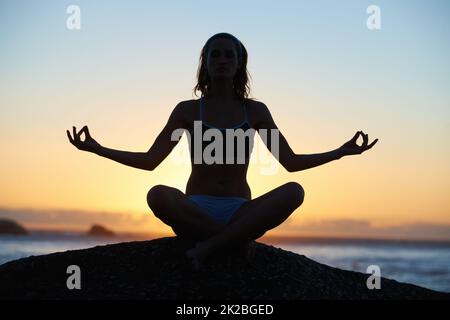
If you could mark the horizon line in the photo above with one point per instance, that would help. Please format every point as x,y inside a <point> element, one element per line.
<point>276,239</point>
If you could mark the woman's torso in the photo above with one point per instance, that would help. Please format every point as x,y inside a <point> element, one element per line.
<point>219,179</point>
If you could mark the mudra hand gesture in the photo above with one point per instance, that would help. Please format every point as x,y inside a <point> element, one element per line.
<point>351,147</point>
<point>89,144</point>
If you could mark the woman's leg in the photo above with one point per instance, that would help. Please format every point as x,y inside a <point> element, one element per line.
<point>253,219</point>
<point>185,217</point>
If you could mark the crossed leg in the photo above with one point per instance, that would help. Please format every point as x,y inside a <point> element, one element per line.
<point>182,214</point>
<point>249,222</point>
<point>252,220</point>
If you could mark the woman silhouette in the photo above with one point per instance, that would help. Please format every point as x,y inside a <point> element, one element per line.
<point>217,210</point>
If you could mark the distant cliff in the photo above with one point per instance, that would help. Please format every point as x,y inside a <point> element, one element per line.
<point>98,230</point>
<point>11,227</point>
<point>158,269</point>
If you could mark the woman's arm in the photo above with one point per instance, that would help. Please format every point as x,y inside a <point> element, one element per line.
<point>305,161</point>
<point>149,160</point>
<point>296,162</point>
<point>137,160</point>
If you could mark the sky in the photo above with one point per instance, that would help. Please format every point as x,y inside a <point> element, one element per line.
<point>321,71</point>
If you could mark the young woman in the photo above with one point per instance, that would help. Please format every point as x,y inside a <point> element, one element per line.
<point>217,209</point>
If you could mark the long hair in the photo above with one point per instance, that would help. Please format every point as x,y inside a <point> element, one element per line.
<point>240,80</point>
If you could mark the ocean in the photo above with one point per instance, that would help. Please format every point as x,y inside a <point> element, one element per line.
<point>423,264</point>
<point>426,264</point>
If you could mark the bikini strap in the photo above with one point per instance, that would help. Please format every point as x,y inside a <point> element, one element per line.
<point>201,108</point>
<point>245,110</point>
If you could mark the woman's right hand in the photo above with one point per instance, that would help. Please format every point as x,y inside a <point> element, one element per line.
<point>89,144</point>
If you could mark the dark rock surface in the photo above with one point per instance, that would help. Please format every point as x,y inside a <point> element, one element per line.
<point>158,269</point>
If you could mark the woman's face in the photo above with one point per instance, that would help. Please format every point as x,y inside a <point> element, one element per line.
<point>222,60</point>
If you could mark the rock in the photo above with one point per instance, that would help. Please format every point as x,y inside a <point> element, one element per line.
<point>161,271</point>
<point>97,230</point>
<point>11,227</point>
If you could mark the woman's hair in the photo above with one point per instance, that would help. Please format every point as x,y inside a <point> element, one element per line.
<point>240,81</point>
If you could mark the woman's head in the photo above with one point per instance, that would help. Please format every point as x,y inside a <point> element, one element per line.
<point>223,56</point>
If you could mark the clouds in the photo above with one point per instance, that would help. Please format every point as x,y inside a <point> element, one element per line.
<point>80,220</point>
<point>364,229</point>
<point>147,223</point>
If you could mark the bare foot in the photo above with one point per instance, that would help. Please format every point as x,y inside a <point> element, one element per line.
<point>251,249</point>
<point>196,256</point>
<point>248,250</point>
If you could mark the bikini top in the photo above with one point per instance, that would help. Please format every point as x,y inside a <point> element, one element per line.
<point>244,125</point>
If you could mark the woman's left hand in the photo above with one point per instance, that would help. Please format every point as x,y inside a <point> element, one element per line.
<point>350,147</point>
